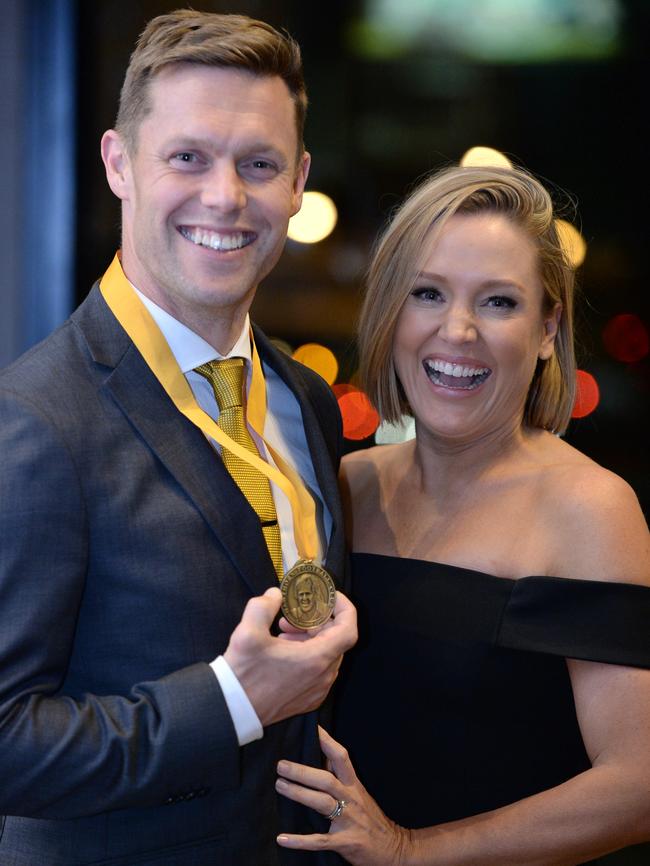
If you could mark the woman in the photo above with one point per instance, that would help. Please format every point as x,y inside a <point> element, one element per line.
<point>497,707</point>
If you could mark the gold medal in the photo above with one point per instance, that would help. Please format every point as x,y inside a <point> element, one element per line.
<point>308,595</point>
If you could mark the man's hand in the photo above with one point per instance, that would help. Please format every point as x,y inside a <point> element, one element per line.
<point>283,676</point>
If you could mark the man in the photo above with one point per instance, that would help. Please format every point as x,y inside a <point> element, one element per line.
<point>309,607</point>
<point>144,697</point>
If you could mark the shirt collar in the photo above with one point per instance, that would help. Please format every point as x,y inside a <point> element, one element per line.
<point>187,347</point>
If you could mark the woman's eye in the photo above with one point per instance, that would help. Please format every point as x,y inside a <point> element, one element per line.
<point>427,294</point>
<point>501,302</point>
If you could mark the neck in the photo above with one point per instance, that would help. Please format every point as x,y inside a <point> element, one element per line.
<point>447,466</point>
<point>221,329</point>
<point>210,316</point>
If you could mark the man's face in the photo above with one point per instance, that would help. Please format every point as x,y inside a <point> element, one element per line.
<point>208,192</point>
<point>305,597</point>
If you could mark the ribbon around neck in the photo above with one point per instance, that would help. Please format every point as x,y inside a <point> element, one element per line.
<point>138,323</point>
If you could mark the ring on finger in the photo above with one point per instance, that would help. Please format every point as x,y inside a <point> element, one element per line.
<point>337,810</point>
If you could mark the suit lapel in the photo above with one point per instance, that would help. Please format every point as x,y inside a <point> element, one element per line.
<point>179,445</point>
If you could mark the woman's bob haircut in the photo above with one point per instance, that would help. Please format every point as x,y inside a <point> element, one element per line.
<point>392,275</point>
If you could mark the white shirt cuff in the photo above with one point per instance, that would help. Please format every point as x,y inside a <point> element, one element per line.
<point>247,724</point>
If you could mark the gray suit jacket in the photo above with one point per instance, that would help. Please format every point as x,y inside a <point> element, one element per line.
<point>127,554</point>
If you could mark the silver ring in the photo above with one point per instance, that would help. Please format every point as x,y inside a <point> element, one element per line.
<point>336,811</point>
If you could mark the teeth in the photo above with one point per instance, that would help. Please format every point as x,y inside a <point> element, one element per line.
<point>468,377</point>
<point>216,240</point>
<point>455,370</point>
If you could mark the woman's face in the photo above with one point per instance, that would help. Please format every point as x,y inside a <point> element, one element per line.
<point>470,333</point>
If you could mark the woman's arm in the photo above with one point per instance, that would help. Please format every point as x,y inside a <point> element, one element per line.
<point>605,808</point>
<point>602,809</point>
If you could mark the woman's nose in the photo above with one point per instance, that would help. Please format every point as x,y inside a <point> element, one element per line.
<point>458,326</point>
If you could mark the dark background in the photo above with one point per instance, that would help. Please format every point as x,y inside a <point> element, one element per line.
<point>383,115</point>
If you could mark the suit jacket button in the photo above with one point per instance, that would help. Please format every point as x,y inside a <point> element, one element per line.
<point>168,801</point>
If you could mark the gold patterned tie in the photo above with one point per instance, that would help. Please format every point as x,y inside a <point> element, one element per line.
<point>227,380</point>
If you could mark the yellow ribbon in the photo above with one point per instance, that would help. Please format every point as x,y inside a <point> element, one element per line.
<point>138,323</point>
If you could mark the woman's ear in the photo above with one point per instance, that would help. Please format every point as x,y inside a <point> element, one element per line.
<point>550,327</point>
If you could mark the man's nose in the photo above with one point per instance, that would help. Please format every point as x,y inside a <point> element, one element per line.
<point>224,189</point>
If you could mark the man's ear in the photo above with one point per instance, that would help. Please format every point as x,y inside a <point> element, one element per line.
<point>117,164</point>
<point>302,173</point>
<point>551,324</point>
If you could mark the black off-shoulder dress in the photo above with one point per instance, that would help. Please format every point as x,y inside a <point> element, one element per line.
<point>457,699</point>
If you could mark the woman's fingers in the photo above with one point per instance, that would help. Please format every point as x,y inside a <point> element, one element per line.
<point>338,760</point>
<point>319,801</point>
<point>315,842</point>
<point>309,777</point>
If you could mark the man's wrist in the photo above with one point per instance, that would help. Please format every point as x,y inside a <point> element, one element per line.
<point>244,718</point>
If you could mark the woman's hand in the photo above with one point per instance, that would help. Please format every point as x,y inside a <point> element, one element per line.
<point>360,833</point>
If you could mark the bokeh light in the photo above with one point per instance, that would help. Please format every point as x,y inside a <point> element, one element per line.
<point>282,345</point>
<point>315,220</point>
<point>573,244</point>
<point>587,395</point>
<point>360,418</point>
<point>625,337</point>
<point>342,388</point>
<point>318,358</point>
<point>477,156</point>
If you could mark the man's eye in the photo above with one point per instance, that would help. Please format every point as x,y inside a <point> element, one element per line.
<point>185,157</point>
<point>258,167</point>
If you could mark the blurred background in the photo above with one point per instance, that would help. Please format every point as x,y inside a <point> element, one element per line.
<point>397,88</point>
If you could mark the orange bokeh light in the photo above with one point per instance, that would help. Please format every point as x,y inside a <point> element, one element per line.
<point>587,395</point>
<point>360,418</point>
<point>572,242</point>
<point>320,359</point>
<point>342,388</point>
<point>625,337</point>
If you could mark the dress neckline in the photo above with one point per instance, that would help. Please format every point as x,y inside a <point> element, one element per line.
<point>513,581</point>
<point>444,565</point>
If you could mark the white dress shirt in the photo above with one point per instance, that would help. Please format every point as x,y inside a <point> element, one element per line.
<point>285,433</point>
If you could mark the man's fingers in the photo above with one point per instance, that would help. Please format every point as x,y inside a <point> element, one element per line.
<point>287,628</point>
<point>342,629</point>
<point>343,605</point>
<point>263,609</point>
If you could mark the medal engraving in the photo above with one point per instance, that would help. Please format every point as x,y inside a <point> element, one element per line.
<point>308,595</point>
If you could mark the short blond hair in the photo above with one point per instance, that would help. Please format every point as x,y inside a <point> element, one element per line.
<point>210,39</point>
<point>517,195</point>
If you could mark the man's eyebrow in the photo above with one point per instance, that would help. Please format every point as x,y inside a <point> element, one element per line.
<point>191,142</point>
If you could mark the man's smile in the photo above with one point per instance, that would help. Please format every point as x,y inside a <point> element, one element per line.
<point>222,241</point>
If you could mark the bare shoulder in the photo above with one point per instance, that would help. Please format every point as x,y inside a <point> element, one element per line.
<point>362,481</point>
<point>365,468</point>
<point>596,518</point>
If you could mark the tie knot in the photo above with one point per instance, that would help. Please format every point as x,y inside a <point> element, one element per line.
<point>227,380</point>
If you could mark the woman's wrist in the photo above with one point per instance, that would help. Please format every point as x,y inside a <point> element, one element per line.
<point>409,853</point>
